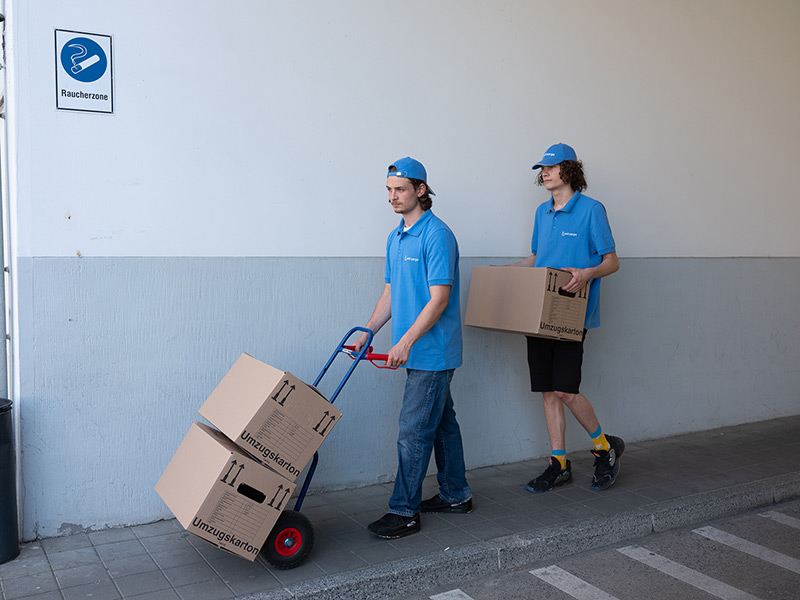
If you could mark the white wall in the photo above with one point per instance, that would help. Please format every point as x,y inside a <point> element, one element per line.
<point>238,126</point>
<point>234,202</point>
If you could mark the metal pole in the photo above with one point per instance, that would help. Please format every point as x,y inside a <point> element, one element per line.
<point>7,224</point>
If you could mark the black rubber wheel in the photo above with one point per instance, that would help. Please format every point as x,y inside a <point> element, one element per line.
<point>290,540</point>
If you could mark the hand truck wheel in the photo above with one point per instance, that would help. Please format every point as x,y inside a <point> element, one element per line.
<point>290,540</point>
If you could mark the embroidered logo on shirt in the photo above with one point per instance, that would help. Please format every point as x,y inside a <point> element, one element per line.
<point>567,233</point>
<point>411,258</point>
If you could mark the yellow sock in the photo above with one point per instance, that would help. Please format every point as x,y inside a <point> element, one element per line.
<point>561,458</point>
<point>599,439</point>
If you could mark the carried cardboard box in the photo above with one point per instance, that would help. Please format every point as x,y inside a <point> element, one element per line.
<point>222,495</point>
<point>270,413</point>
<point>526,300</point>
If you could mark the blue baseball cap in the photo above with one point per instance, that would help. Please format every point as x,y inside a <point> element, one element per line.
<point>557,153</point>
<point>410,169</point>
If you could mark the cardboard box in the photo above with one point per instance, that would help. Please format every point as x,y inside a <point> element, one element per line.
<point>222,495</point>
<point>271,414</point>
<point>526,300</point>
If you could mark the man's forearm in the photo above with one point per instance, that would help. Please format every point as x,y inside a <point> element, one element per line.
<point>530,261</point>
<point>609,265</point>
<point>399,353</point>
<point>381,314</point>
<point>426,319</point>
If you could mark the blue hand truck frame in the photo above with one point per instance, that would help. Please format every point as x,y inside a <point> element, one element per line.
<point>292,537</point>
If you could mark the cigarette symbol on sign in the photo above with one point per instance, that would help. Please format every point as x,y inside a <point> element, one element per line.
<point>84,59</point>
<point>77,67</point>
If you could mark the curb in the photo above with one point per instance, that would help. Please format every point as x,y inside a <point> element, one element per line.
<point>407,576</point>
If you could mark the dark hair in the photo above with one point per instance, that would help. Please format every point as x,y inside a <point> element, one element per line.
<point>571,173</point>
<point>425,200</point>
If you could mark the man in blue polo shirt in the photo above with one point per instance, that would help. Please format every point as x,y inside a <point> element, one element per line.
<point>570,232</point>
<point>421,297</point>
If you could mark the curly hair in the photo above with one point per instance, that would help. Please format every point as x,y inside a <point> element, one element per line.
<point>425,200</point>
<point>571,173</point>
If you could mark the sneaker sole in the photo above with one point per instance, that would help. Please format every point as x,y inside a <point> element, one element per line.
<point>394,536</point>
<point>446,509</point>
<point>550,489</point>
<point>600,489</point>
<point>622,446</point>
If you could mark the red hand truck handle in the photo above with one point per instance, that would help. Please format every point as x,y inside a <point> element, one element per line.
<point>351,352</point>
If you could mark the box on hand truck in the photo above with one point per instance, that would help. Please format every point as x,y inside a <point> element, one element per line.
<point>219,491</point>
<point>222,495</point>
<point>271,414</point>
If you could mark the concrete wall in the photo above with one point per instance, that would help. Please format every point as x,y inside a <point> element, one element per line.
<point>259,129</point>
<point>123,352</point>
<point>234,203</point>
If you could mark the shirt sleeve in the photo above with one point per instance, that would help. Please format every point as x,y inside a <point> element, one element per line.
<point>387,269</point>
<point>441,256</point>
<point>602,238</point>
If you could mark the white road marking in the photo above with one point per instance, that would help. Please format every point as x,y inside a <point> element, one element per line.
<point>451,595</point>
<point>782,518</point>
<point>678,571</point>
<point>569,584</point>
<point>776,558</point>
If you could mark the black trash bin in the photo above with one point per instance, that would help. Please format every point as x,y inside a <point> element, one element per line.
<point>9,531</point>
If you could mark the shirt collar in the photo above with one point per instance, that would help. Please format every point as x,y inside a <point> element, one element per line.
<point>417,227</point>
<point>568,206</point>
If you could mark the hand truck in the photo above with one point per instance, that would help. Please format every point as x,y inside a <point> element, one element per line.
<point>292,537</point>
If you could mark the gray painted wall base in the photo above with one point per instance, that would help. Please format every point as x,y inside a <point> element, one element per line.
<point>116,355</point>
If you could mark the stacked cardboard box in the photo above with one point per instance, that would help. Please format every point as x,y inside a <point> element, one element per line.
<point>229,485</point>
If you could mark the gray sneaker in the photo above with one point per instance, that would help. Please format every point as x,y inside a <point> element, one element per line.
<point>438,504</point>
<point>554,476</point>
<point>391,526</point>
<point>606,463</point>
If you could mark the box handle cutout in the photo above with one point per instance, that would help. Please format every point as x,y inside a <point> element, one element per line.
<point>561,292</point>
<point>251,493</point>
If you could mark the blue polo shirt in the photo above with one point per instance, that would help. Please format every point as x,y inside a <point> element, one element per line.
<point>577,236</point>
<point>425,255</point>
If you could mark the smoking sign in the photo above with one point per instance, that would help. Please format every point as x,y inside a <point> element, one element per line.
<point>84,72</point>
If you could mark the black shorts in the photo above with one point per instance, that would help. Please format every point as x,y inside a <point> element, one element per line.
<point>555,365</point>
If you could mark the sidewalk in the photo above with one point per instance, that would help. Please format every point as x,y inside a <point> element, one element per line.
<point>663,484</point>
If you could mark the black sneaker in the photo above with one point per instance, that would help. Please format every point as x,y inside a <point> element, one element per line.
<point>391,526</point>
<point>554,476</point>
<point>437,504</point>
<point>606,463</point>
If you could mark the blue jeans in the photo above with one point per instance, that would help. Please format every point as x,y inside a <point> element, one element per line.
<point>428,423</point>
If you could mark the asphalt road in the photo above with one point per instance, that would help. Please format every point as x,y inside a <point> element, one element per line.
<point>750,555</point>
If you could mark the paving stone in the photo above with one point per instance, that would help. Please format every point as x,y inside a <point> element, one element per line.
<point>31,585</point>
<point>131,565</point>
<point>105,590</point>
<point>188,574</point>
<point>142,583</point>
<point>82,575</point>
<point>73,558</point>
<point>109,536</point>
<point>210,590</point>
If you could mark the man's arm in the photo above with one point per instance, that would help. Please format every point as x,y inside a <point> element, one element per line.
<point>581,277</point>
<point>525,262</point>
<point>380,316</point>
<point>398,354</point>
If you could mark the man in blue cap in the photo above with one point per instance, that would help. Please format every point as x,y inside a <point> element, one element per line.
<point>570,232</point>
<point>421,297</point>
